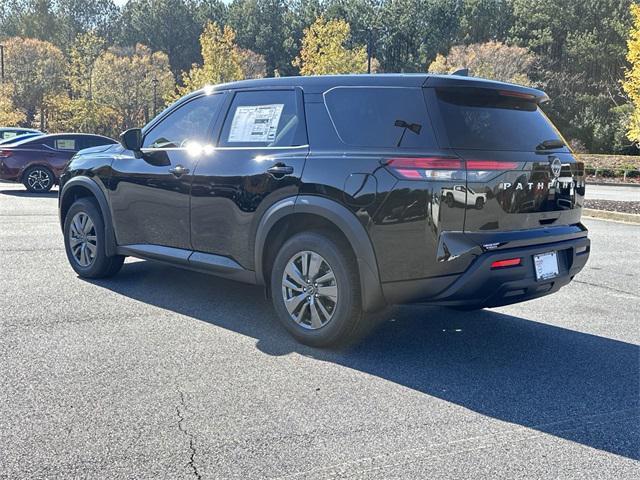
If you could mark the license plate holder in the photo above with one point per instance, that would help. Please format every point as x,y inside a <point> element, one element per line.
<point>546,265</point>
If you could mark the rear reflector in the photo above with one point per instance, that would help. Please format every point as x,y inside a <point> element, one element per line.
<point>511,262</point>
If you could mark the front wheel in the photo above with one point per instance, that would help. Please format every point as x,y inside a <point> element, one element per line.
<point>84,241</point>
<point>316,291</point>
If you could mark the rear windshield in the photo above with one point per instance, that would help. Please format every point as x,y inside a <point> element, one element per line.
<point>479,120</point>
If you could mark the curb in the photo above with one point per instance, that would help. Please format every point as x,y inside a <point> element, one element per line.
<point>615,216</point>
<point>614,184</point>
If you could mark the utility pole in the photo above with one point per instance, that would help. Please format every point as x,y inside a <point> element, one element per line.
<point>2,63</point>
<point>369,49</point>
<point>155,95</point>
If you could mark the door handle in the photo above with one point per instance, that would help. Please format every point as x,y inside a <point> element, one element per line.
<point>280,170</point>
<point>178,171</point>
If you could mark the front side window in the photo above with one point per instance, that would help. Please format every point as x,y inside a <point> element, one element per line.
<point>263,119</point>
<point>191,122</point>
<point>388,117</point>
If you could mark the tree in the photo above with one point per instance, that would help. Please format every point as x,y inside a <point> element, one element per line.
<point>9,115</point>
<point>222,61</point>
<point>123,79</point>
<point>253,64</point>
<point>36,69</point>
<point>493,60</point>
<point>66,114</point>
<point>261,26</point>
<point>581,48</point>
<point>169,26</point>
<point>83,55</point>
<point>631,82</point>
<point>323,50</point>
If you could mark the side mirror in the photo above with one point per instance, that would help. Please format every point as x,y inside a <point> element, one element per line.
<point>132,140</point>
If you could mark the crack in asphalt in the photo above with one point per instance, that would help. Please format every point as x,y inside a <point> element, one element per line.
<point>191,462</point>
<point>617,290</point>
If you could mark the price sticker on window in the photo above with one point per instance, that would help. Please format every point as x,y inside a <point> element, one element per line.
<point>255,123</point>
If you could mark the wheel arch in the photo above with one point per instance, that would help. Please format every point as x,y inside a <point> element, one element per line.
<point>79,187</point>
<point>324,213</point>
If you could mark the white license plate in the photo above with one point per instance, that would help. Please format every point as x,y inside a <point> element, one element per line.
<point>546,265</point>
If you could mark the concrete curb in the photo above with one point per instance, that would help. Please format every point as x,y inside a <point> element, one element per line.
<point>615,216</point>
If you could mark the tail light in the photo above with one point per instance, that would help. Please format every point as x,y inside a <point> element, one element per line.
<point>510,262</point>
<point>5,153</point>
<point>446,168</point>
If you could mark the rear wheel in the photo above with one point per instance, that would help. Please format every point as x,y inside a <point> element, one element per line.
<point>315,290</point>
<point>38,179</point>
<point>84,241</point>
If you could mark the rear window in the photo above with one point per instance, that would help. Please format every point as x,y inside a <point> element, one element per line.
<point>388,117</point>
<point>481,120</point>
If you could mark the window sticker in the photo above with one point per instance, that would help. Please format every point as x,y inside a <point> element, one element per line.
<point>255,123</point>
<point>10,134</point>
<point>67,144</point>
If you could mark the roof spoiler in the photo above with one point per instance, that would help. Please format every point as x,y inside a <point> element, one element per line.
<point>508,89</point>
<point>462,72</point>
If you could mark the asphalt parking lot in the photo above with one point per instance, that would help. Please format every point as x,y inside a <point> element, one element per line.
<point>163,373</point>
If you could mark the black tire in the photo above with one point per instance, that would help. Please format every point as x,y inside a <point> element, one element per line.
<point>347,319</point>
<point>100,265</point>
<point>449,200</point>
<point>38,179</point>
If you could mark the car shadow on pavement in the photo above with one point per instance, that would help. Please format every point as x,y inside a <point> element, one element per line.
<point>576,386</point>
<point>25,193</point>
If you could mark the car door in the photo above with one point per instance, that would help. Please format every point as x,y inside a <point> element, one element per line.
<point>149,195</point>
<point>258,160</point>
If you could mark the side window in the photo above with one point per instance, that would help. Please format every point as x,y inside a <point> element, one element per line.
<point>189,123</point>
<point>88,142</point>
<point>388,117</point>
<point>264,119</point>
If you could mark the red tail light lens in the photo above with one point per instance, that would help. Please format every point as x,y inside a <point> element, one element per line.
<point>5,153</point>
<point>511,262</point>
<point>422,168</point>
<point>511,93</point>
<point>490,165</point>
<point>446,168</point>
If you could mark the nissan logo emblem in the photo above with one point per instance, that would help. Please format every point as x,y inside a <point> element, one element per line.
<point>556,166</point>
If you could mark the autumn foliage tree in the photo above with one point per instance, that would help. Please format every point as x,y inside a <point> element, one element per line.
<point>631,83</point>
<point>9,115</point>
<point>221,61</point>
<point>123,80</point>
<point>324,50</point>
<point>493,60</point>
<point>37,70</point>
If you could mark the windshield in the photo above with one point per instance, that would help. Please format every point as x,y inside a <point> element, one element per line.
<point>482,120</point>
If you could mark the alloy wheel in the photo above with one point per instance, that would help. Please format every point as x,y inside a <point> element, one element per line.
<point>39,180</point>
<point>83,239</point>
<point>309,290</point>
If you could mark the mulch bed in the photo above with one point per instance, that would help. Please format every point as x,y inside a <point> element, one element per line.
<point>613,206</point>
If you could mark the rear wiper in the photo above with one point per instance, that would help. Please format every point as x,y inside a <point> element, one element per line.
<point>414,127</point>
<point>551,144</point>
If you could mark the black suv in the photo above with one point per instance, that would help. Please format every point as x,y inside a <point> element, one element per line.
<point>340,194</point>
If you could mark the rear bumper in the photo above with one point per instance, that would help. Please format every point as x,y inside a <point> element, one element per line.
<point>480,286</point>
